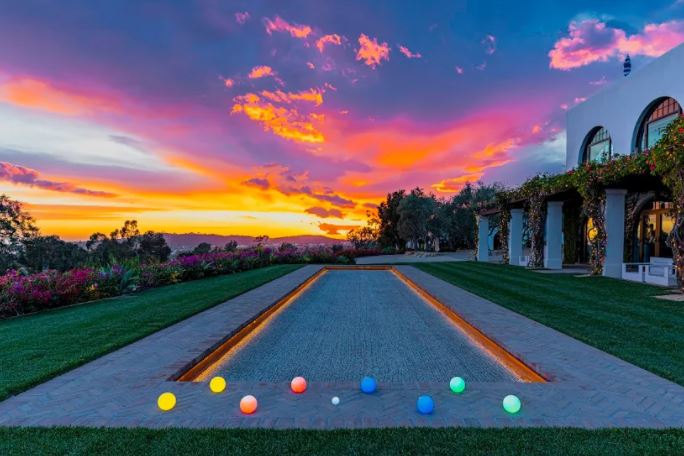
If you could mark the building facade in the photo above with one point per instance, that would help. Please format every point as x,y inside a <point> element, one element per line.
<point>627,117</point>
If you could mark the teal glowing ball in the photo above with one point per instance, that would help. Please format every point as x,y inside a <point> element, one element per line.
<point>457,385</point>
<point>512,404</point>
<point>368,385</point>
<point>425,405</point>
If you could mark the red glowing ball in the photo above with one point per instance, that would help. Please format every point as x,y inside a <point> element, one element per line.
<point>298,385</point>
<point>248,405</point>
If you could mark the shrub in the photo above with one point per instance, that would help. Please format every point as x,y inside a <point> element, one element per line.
<point>22,293</point>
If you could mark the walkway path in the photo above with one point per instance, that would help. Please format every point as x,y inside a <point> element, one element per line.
<point>355,323</point>
<point>589,388</point>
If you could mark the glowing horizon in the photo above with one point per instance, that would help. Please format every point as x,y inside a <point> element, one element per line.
<point>275,119</point>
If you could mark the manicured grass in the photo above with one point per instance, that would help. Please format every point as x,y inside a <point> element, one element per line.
<point>38,347</point>
<point>621,318</point>
<point>454,441</point>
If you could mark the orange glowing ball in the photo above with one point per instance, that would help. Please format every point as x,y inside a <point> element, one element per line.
<point>298,385</point>
<point>248,404</point>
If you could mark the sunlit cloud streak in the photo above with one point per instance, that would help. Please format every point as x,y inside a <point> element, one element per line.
<point>26,176</point>
<point>407,52</point>
<point>279,24</point>
<point>323,212</point>
<point>333,39</point>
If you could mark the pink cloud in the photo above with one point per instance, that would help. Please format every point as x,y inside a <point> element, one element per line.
<point>371,52</point>
<point>279,24</point>
<point>489,44</point>
<point>592,40</point>
<point>458,70</point>
<point>241,17</point>
<point>228,82</point>
<point>26,176</point>
<point>334,39</point>
<point>404,50</point>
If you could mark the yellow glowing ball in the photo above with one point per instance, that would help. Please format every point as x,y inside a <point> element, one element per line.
<point>217,384</point>
<point>298,385</point>
<point>166,401</point>
<point>248,404</point>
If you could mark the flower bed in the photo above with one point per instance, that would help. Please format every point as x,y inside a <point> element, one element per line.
<point>20,294</point>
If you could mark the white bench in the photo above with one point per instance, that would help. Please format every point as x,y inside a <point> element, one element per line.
<point>659,271</point>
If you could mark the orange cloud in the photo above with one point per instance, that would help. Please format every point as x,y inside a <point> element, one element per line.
<point>34,94</point>
<point>287,123</point>
<point>371,52</point>
<point>592,40</point>
<point>328,39</point>
<point>26,176</point>
<point>314,96</point>
<point>261,71</point>
<point>334,230</point>
<point>228,83</point>
<point>404,50</point>
<point>455,184</point>
<point>281,25</point>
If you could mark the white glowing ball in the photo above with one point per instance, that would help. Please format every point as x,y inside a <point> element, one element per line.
<point>335,400</point>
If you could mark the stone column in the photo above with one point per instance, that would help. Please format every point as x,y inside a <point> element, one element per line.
<point>615,232</point>
<point>482,238</point>
<point>553,248</point>
<point>515,236</point>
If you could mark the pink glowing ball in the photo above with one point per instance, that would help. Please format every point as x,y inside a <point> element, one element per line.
<point>298,385</point>
<point>248,404</point>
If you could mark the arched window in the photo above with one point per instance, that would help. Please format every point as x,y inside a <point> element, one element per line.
<point>655,120</point>
<point>598,146</point>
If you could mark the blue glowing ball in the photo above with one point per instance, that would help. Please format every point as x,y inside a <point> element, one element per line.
<point>425,405</point>
<point>368,385</point>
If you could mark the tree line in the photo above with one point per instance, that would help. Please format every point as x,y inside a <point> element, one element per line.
<point>23,247</point>
<point>421,221</point>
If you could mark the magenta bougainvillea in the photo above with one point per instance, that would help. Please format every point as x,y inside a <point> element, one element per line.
<point>24,293</point>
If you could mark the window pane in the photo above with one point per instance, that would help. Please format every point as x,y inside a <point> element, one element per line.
<point>656,129</point>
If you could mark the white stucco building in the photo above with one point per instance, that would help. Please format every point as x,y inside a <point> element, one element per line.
<point>622,108</point>
<point>626,117</point>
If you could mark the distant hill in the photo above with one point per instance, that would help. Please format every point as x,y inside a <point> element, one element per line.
<point>189,241</point>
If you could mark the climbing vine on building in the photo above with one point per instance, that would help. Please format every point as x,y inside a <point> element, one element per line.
<point>666,159</point>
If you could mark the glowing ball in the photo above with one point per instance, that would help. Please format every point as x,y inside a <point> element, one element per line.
<point>166,401</point>
<point>248,404</point>
<point>298,385</point>
<point>512,404</point>
<point>425,405</point>
<point>335,400</point>
<point>457,385</point>
<point>217,384</point>
<point>368,385</point>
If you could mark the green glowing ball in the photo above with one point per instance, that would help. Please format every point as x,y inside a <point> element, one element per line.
<point>512,404</point>
<point>457,385</point>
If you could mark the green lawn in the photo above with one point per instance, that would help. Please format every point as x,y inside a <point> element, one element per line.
<point>38,347</point>
<point>621,318</point>
<point>417,441</point>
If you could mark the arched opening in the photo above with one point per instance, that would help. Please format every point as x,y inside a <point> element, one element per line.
<point>653,227</point>
<point>653,122</point>
<point>597,146</point>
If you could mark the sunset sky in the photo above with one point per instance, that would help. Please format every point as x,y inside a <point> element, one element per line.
<point>281,118</point>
